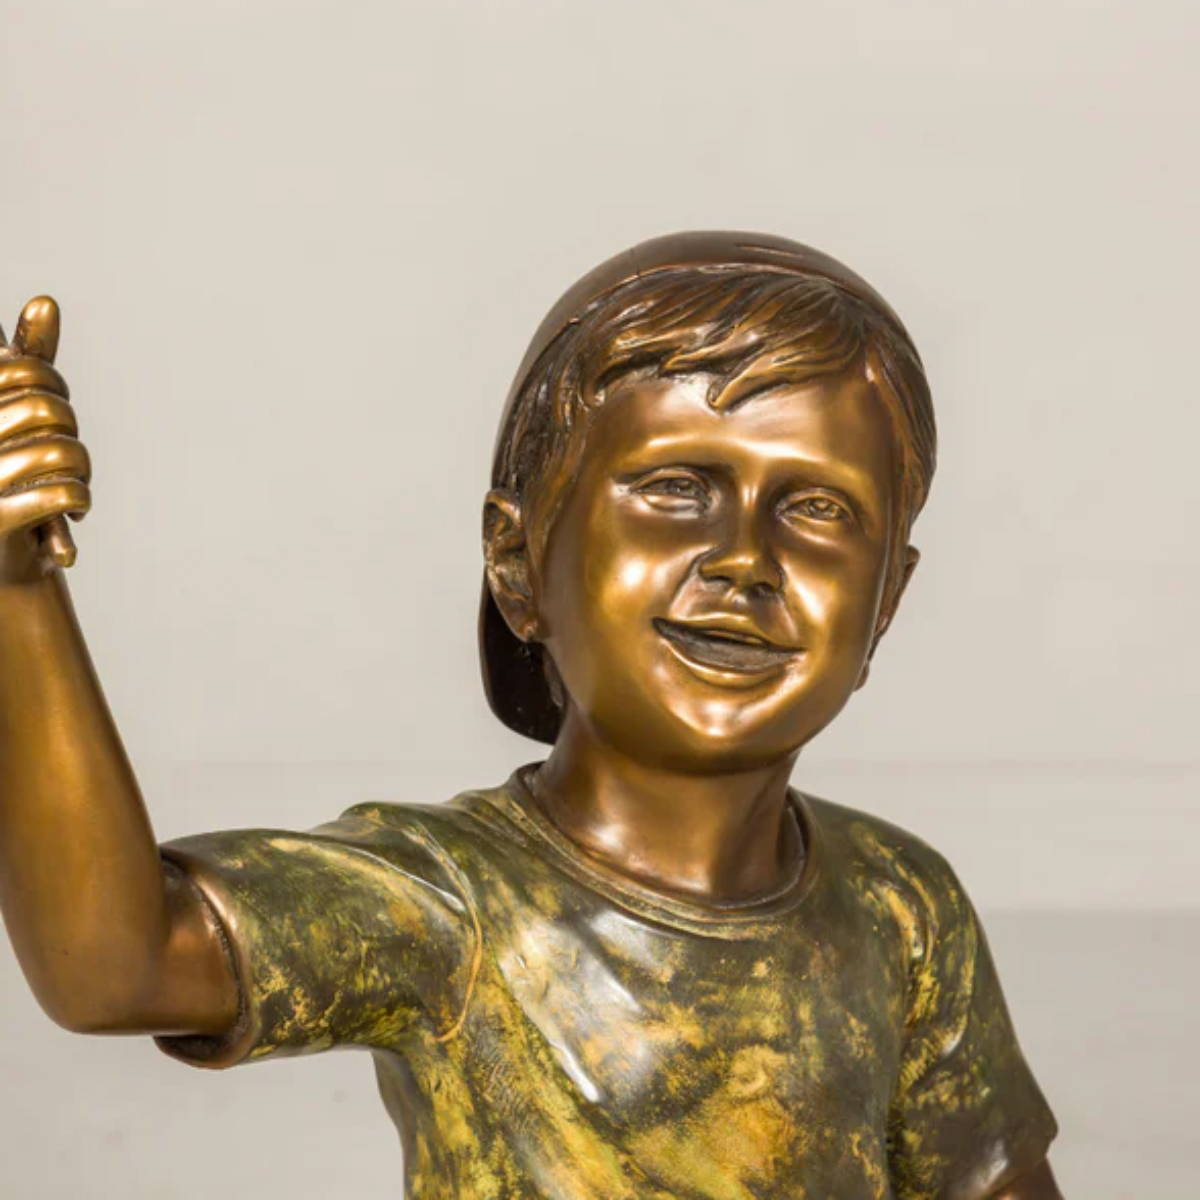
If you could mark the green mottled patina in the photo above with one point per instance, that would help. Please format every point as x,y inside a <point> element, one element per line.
<point>543,1027</point>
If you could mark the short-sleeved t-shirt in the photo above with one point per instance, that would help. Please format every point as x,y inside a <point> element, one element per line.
<point>542,1026</point>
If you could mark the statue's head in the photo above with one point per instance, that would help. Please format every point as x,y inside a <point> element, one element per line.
<point>704,486</point>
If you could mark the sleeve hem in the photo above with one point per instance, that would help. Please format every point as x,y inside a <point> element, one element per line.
<point>212,1051</point>
<point>1034,1154</point>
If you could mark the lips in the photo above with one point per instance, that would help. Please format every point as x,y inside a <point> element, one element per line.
<point>724,649</point>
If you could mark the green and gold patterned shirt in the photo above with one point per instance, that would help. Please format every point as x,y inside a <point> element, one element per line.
<point>545,1027</point>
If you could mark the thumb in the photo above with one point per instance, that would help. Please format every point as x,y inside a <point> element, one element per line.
<point>37,329</point>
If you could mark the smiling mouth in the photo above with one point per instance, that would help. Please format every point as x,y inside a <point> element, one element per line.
<point>722,650</point>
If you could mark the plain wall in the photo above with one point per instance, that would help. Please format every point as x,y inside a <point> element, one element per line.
<point>300,249</point>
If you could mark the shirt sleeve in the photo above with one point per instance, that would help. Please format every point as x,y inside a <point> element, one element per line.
<point>357,933</point>
<point>967,1117</point>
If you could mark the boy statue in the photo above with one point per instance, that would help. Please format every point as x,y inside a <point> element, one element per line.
<point>645,967</point>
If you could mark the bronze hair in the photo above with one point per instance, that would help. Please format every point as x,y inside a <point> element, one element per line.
<point>761,328</point>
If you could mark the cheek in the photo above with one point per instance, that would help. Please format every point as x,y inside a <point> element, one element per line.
<point>633,564</point>
<point>628,582</point>
<point>838,595</point>
<point>606,573</point>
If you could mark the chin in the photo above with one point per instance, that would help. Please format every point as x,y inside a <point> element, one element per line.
<point>737,733</point>
<point>704,738</point>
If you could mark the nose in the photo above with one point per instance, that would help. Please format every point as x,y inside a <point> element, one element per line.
<point>743,558</point>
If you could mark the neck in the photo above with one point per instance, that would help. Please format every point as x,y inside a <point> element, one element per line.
<point>722,837</point>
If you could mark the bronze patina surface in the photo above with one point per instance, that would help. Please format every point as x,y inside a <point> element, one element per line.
<point>646,967</point>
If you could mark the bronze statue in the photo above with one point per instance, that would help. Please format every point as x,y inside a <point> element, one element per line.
<point>645,967</point>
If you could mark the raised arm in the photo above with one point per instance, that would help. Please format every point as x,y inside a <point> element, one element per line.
<point>107,941</point>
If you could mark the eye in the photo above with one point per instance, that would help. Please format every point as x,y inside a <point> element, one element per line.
<point>817,507</point>
<point>675,491</point>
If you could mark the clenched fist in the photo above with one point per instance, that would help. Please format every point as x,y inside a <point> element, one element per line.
<point>44,468</point>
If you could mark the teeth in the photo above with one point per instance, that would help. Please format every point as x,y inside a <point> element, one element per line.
<point>724,635</point>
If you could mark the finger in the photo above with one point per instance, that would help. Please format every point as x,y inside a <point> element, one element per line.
<point>37,329</point>
<point>53,455</point>
<point>32,412</point>
<point>27,372</point>
<point>58,543</point>
<point>43,503</point>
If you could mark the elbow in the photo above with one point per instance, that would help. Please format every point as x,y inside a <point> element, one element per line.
<point>87,1014</point>
<point>82,1022</point>
<point>96,1001</point>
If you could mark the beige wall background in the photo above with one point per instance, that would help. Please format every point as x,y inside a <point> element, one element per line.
<point>280,577</point>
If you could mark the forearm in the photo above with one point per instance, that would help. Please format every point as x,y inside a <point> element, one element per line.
<point>82,886</point>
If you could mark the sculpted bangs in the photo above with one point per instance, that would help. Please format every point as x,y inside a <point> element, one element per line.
<point>751,328</point>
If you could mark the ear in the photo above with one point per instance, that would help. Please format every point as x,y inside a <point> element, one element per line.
<point>887,611</point>
<point>506,554</point>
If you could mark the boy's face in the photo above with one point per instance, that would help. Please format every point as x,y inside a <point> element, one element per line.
<point>711,587</point>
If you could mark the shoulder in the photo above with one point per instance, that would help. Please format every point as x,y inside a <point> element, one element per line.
<point>887,848</point>
<point>473,831</point>
<point>459,825</point>
<point>371,845</point>
<point>894,867</point>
